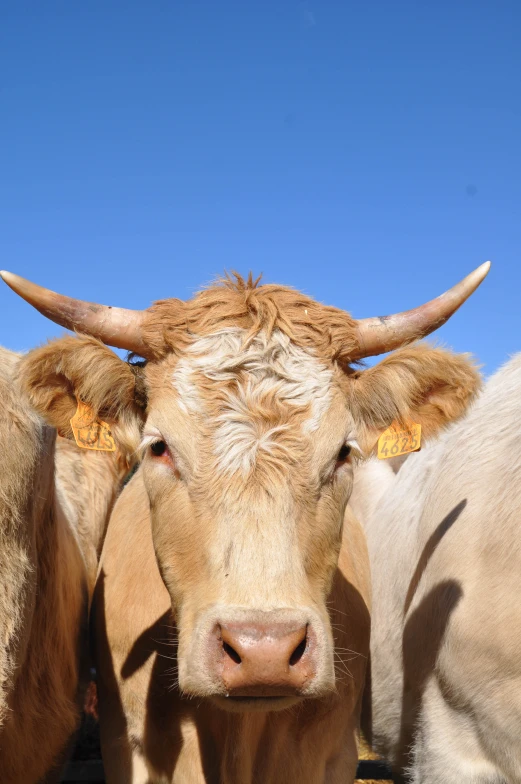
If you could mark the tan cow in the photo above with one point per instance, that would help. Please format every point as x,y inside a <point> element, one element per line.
<point>249,414</point>
<point>445,545</point>
<point>54,505</point>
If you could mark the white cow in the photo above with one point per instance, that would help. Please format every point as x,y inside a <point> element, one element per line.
<point>444,536</point>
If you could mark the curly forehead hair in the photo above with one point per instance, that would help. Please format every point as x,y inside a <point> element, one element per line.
<point>170,325</point>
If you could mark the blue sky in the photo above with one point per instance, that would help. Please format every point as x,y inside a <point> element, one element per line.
<point>366,153</point>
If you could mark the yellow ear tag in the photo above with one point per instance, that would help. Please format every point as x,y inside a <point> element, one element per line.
<point>399,440</point>
<point>89,432</point>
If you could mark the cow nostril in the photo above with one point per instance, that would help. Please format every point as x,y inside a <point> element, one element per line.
<point>232,653</point>
<point>298,653</point>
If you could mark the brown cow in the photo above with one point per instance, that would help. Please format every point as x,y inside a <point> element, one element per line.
<point>249,414</point>
<point>151,733</point>
<point>54,504</point>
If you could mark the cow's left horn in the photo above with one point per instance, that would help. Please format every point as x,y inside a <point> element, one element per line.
<point>385,333</point>
<point>114,326</point>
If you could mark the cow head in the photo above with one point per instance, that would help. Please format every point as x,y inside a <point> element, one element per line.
<point>249,414</point>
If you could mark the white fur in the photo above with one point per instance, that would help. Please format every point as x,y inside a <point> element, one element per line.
<point>445,547</point>
<point>268,364</point>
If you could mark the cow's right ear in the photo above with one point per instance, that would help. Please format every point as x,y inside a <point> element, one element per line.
<point>56,376</point>
<point>431,386</point>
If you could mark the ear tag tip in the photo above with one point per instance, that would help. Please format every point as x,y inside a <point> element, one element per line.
<point>89,432</point>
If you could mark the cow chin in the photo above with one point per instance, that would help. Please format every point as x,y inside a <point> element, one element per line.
<point>257,660</point>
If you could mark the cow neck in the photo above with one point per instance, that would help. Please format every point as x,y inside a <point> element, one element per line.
<point>242,748</point>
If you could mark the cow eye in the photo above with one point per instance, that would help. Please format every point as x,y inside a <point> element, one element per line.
<point>344,453</point>
<point>158,448</point>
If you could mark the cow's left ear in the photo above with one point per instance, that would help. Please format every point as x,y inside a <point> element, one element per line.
<point>431,386</point>
<point>59,374</point>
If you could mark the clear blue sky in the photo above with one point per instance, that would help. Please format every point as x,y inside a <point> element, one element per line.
<point>366,153</point>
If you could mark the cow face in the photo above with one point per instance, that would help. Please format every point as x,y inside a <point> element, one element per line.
<point>247,459</point>
<point>249,416</point>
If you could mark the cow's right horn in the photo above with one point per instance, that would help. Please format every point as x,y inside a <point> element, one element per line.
<point>385,333</point>
<point>114,326</point>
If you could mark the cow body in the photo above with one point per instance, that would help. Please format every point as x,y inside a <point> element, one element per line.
<point>445,547</point>
<point>150,733</point>
<point>54,504</point>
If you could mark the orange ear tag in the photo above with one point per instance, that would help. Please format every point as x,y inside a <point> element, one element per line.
<point>399,440</point>
<point>89,432</point>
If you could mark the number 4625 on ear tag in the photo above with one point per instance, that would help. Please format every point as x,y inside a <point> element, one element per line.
<point>399,440</point>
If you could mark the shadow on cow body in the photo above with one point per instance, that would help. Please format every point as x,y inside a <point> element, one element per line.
<point>419,651</point>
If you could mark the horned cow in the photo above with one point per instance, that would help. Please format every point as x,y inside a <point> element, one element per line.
<point>249,415</point>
